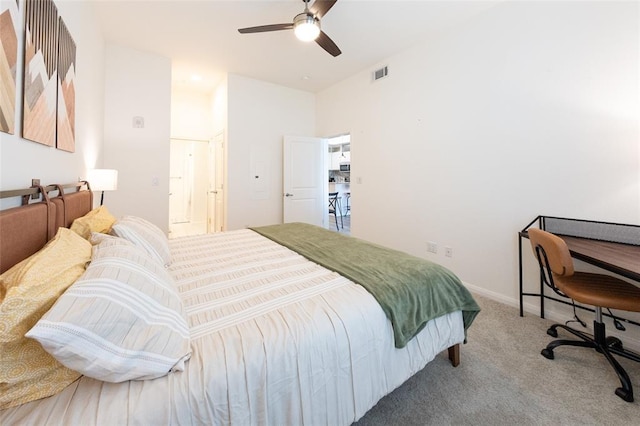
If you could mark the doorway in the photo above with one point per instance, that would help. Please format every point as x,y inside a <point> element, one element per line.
<point>190,179</point>
<point>339,177</point>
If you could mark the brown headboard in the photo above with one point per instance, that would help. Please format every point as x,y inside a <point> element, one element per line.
<point>70,206</point>
<point>26,229</point>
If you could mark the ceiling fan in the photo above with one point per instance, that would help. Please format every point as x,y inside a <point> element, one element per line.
<point>306,26</point>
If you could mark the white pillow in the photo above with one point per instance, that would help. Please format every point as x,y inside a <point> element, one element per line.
<point>122,320</point>
<point>145,235</point>
<point>106,240</point>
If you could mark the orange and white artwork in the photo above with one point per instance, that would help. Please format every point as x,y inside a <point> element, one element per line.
<point>40,72</point>
<point>9,24</point>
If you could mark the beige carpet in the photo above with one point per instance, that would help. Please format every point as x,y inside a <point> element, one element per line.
<point>503,380</point>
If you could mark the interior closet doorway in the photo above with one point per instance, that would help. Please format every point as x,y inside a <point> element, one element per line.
<point>191,179</point>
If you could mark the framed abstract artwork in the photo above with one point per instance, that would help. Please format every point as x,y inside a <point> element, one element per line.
<point>65,134</point>
<point>49,77</point>
<point>9,24</point>
<point>40,72</point>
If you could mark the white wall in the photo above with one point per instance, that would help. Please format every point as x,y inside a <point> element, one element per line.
<point>191,114</point>
<point>138,84</point>
<point>259,115</point>
<point>20,159</point>
<point>219,106</point>
<point>531,108</point>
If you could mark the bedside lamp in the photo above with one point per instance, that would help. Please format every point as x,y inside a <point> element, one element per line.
<point>102,180</point>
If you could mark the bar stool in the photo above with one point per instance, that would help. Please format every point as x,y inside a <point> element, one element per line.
<point>334,208</point>
<point>348,197</point>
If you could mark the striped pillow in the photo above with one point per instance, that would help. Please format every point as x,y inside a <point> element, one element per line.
<point>145,235</point>
<point>122,320</point>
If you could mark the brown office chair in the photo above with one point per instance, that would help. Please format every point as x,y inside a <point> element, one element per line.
<point>599,291</point>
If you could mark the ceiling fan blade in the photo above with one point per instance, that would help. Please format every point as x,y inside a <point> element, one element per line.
<point>321,7</point>
<point>266,28</point>
<point>327,44</point>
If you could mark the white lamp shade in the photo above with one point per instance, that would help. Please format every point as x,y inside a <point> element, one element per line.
<point>102,179</point>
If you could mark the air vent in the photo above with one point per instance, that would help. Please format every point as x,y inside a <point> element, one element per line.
<point>380,73</point>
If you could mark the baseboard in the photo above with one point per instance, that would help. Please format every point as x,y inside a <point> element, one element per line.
<point>498,297</point>
<point>631,338</point>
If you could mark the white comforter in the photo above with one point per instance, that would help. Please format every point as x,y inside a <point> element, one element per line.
<point>276,340</point>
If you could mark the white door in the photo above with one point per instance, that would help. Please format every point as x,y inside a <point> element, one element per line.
<point>305,180</point>
<point>216,184</point>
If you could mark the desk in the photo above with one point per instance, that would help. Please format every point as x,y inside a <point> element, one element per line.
<point>622,259</point>
<point>611,246</point>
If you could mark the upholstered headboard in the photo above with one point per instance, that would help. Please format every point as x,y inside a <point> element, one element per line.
<point>70,206</point>
<point>26,229</point>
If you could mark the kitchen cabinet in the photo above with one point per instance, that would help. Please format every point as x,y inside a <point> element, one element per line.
<point>335,161</point>
<point>338,154</point>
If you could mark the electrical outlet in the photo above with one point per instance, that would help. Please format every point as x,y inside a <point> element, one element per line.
<point>432,247</point>
<point>448,252</point>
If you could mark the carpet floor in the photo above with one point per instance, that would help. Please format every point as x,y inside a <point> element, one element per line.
<point>503,380</point>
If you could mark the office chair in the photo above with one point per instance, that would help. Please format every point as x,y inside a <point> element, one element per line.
<point>334,208</point>
<point>599,291</point>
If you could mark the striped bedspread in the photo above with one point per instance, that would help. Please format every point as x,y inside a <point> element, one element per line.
<point>241,278</point>
<point>276,339</point>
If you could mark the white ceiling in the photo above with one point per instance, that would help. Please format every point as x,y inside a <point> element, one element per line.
<point>201,37</point>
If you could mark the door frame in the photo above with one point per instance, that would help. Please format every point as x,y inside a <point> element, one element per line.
<point>216,220</point>
<point>215,153</point>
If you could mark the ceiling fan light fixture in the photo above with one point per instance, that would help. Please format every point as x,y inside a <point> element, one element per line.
<point>306,27</point>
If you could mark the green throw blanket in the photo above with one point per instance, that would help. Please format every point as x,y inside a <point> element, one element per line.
<point>410,290</point>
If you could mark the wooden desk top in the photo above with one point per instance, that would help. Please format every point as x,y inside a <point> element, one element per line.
<point>622,259</point>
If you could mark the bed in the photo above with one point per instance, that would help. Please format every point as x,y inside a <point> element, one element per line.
<point>273,337</point>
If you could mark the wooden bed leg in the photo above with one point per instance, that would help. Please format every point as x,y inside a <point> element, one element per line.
<point>454,355</point>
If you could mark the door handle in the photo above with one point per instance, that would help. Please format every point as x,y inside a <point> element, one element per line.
<point>213,192</point>
<point>288,195</point>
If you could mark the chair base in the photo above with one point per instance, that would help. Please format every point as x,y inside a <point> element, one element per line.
<point>602,344</point>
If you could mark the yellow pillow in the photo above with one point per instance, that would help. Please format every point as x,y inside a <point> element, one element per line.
<point>97,220</point>
<point>29,289</point>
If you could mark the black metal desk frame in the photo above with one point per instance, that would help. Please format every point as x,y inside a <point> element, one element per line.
<point>584,229</point>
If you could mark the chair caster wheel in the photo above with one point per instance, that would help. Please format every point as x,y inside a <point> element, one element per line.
<point>552,332</point>
<point>614,342</point>
<point>547,353</point>
<point>625,394</point>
